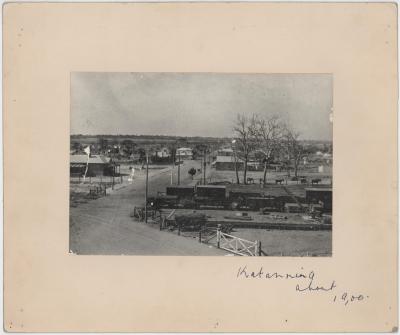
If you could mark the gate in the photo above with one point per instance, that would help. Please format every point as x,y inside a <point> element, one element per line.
<point>237,245</point>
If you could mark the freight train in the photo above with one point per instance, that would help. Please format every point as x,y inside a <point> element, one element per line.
<point>221,197</point>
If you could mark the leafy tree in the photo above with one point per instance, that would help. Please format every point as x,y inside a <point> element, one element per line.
<point>76,146</point>
<point>142,155</point>
<point>103,142</point>
<point>192,172</point>
<point>128,147</point>
<point>172,149</point>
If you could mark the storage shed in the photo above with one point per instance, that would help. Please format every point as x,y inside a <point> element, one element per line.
<point>98,165</point>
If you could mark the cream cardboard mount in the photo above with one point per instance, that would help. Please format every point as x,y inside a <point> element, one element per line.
<point>47,288</point>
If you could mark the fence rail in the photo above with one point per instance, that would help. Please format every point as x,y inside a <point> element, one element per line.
<point>237,245</point>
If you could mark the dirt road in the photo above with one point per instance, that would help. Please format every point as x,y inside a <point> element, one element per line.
<point>104,227</point>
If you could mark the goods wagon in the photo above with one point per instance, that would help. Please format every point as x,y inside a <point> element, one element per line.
<point>321,196</point>
<point>181,191</point>
<point>211,196</point>
<point>257,203</point>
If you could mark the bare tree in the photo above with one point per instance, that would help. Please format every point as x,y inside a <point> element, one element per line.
<point>235,158</point>
<point>268,134</point>
<point>245,140</point>
<point>295,151</point>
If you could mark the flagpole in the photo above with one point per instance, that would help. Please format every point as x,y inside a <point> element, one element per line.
<point>147,187</point>
<point>87,164</point>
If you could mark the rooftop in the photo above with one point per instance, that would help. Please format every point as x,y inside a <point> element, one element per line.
<point>225,159</point>
<point>82,159</point>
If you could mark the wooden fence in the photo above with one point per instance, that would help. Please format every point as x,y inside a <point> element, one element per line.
<point>223,240</point>
<point>237,245</point>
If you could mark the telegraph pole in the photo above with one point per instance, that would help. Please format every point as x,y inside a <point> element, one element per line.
<point>204,167</point>
<point>235,157</point>
<point>147,186</point>
<point>173,160</point>
<point>179,167</point>
<point>113,182</point>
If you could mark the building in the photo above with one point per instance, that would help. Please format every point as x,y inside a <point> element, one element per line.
<point>184,153</point>
<point>227,163</point>
<point>97,166</point>
<point>163,153</point>
<point>227,152</point>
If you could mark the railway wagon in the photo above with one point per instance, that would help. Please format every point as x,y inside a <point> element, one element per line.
<point>186,192</point>
<point>163,201</point>
<point>211,196</point>
<point>322,196</point>
<point>238,199</point>
<point>235,195</point>
<point>257,203</point>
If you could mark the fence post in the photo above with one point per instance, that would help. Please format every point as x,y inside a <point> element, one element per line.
<point>179,228</point>
<point>218,235</point>
<point>200,235</point>
<point>259,248</point>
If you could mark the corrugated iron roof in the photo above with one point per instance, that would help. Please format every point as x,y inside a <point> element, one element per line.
<point>82,159</point>
<point>228,159</point>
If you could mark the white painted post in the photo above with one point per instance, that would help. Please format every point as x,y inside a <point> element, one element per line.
<point>218,236</point>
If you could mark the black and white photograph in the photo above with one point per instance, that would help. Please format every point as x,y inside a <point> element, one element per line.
<point>201,164</point>
<point>200,167</point>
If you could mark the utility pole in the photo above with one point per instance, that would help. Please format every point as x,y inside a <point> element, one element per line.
<point>147,186</point>
<point>204,167</point>
<point>113,176</point>
<point>179,167</point>
<point>173,160</point>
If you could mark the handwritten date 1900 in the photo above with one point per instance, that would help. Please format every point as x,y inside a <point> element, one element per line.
<point>347,298</point>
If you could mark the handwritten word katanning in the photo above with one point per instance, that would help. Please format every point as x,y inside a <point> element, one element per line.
<point>311,286</point>
<point>243,272</point>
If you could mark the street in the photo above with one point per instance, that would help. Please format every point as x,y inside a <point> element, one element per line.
<point>104,226</point>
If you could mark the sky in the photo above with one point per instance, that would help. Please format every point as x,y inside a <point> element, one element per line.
<point>197,104</point>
